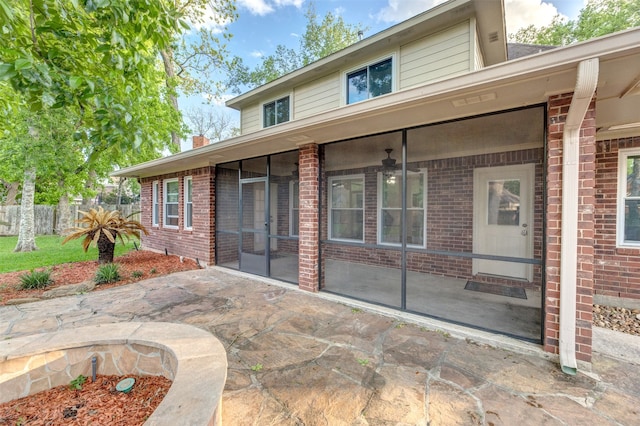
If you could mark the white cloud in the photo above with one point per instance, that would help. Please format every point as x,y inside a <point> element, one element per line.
<point>256,7</point>
<point>522,13</point>
<point>295,35</point>
<point>264,7</point>
<point>210,20</point>
<point>296,3</point>
<point>339,11</point>
<point>400,10</point>
<point>257,54</point>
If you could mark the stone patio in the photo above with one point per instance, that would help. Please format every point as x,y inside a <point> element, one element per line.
<point>297,358</point>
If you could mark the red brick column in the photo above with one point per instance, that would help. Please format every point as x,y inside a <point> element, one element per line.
<point>212,215</point>
<point>308,246</point>
<point>558,108</point>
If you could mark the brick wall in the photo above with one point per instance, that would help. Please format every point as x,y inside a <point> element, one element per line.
<point>616,270</point>
<point>558,108</point>
<point>197,243</point>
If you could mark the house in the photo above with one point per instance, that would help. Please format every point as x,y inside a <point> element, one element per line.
<point>421,170</point>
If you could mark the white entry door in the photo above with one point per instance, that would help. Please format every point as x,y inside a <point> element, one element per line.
<point>503,219</point>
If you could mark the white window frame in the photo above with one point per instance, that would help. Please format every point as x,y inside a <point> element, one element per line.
<point>155,203</point>
<point>394,74</point>
<point>293,209</point>
<point>330,206</point>
<point>398,176</point>
<point>623,156</point>
<point>188,202</point>
<point>276,99</point>
<point>165,215</point>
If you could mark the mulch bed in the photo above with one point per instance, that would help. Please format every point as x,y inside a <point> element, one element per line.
<point>96,403</point>
<point>134,266</point>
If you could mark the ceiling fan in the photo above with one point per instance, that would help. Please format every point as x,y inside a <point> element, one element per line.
<point>389,166</point>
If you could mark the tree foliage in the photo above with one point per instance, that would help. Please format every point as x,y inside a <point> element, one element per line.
<point>98,57</point>
<point>320,39</point>
<point>597,18</point>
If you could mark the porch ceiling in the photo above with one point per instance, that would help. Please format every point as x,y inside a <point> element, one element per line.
<point>526,81</point>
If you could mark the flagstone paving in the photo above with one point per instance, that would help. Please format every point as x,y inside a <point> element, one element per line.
<point>301,359</point>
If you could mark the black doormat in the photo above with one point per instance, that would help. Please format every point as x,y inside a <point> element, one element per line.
<point>501,290</point>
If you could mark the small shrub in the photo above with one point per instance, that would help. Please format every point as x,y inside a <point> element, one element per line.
<point>35,279</point>
<point>137,274</point>
<point>107,273</point>
<point>77,382</point>
<point>153,270</point>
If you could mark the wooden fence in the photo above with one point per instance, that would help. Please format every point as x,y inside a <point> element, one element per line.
<point>46,217</point>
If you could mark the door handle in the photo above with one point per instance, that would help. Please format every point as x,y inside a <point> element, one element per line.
<point>524,232</point>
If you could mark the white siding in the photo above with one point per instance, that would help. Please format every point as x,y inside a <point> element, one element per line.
<point>316,97</point>
<point>250,119</point>
<point>436,56</point>
<point>478,58</point>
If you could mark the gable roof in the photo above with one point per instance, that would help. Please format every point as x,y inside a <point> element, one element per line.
<point>520,50</point>
<point>491,35</point>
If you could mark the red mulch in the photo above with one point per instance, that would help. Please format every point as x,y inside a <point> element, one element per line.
<point>150,264</point>
<point>97,403</point>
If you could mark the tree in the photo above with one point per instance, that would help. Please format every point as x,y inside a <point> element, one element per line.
<point>597,18</point>
<point>319,40</point>
<point>190,62</point>
<point>98,57</point>
<point>101,228</point>
<point>213,124</point>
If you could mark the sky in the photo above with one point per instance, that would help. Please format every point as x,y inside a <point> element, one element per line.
<point>263,24</point>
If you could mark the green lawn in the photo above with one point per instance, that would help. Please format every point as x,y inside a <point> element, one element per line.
<point>50,252</point>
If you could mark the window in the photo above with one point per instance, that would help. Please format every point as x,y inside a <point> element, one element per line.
<point>628,227</point>
<point>390,204</point>
<point>171,189</point>
<point>346,208</point>
<point>370,81</point>
<point>294,208</point>
<point>276,112</point>
<point>155,186</point>
<point>188,202</point>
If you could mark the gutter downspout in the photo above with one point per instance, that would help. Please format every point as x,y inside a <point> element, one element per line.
<point>586,83</point>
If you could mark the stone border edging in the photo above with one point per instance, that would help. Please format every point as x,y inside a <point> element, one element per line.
<point>195,396</point>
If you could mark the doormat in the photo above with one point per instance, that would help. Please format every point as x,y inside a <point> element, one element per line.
<point>501,290</point>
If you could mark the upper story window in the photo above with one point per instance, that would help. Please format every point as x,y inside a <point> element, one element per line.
<point>346,208</point>
<point>155,203</point>
<point>371,81</point>
<point>276,112</point>
<point>628,226</point>
<point>171,196</point>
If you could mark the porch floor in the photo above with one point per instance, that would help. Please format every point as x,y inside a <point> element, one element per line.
<point>436,296</point>
<point>440,297</point>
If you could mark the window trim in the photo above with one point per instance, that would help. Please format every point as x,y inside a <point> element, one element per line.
<point>623,155</point>
<point>292,209</point>
<point>398,173</point>
<point>394,76</point>
<point>165,215</point>
<point>188,180</point>
<point>155,203</point>
<point>274,100</point>
<point>330,180</point>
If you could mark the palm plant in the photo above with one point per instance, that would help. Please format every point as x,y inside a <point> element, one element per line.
<point>101,228</point>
